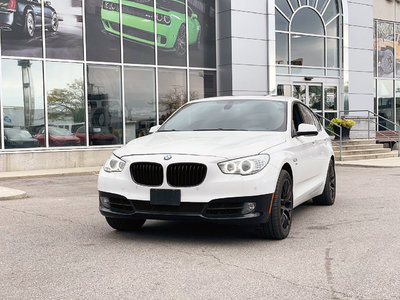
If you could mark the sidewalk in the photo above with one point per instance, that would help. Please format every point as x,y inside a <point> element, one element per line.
<point>50,172</point>
<point>392,162</point>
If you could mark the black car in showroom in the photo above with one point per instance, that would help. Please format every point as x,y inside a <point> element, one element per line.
<point>19,138</point>
<point>26,16</point>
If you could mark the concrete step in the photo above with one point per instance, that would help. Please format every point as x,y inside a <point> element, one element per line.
<point>356,142</point>
<point>368,156</point>
<point>358,147</point>
<point>363,151</point>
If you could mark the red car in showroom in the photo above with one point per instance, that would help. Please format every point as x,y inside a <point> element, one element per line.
<point>58,137</point>
<point>97,136</point>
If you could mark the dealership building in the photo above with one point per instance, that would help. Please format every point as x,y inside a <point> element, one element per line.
<point>80,78</point>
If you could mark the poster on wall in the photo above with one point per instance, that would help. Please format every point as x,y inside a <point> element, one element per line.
<point>21,33</point>
<point>202,37</point>
<point>397,46</point>
<point>138,31</point>
<point>385,49</point>
<point>103,30</point>
<point>171,32</point>
<point>64,34</point>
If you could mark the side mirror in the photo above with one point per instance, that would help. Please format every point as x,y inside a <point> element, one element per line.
<point>195,17</point>
<point>47,3</point>
<point>154,129</point>
<point>307,130</point>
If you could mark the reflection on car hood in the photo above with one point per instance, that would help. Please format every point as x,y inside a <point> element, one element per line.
<point>225,144</point>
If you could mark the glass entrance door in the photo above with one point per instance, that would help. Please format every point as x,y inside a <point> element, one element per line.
<point>320,97</point>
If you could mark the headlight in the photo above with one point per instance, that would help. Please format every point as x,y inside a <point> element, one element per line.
<point>245,166</point>
<point>114,164</point>
<point>111,6</point>
<point>163,19</point>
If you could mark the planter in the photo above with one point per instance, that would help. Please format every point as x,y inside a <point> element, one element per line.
<point>345,133</point>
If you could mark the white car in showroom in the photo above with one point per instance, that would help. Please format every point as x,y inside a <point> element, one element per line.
<point>241,159</point>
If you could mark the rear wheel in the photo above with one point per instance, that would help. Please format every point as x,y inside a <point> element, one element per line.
<point>54,23</point>
<point>280,219</point>
<point>125,224</point>
<point>329,194</point>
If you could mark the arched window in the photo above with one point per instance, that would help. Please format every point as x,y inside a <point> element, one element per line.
<point>308,37</point>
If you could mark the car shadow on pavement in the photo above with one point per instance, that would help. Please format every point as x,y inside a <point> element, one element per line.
<point>202,232</point>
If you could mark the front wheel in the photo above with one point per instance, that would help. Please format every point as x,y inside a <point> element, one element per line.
<point>280,219</point>
<point>29,26</point>
<point>180,43</point>
<point>329,194</point>
<point>125,224</point>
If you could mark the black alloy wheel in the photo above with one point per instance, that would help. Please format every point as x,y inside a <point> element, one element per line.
<point>329,194</point>
<point>280,219</point>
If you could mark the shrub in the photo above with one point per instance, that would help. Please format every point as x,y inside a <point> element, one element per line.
<point>347,123</point>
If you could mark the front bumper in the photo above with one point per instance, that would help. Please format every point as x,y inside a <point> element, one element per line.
<point>217,210</point>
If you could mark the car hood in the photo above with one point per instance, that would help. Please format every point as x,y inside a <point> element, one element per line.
<point>225,144</point>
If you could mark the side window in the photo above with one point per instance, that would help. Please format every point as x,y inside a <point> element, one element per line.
<point>317,122</point>
<point>297,117</point>
<point>308,117</point>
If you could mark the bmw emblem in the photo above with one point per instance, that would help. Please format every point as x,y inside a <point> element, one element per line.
<point>167,157</point>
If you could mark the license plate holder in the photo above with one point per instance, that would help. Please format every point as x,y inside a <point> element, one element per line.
<point>165,197</point>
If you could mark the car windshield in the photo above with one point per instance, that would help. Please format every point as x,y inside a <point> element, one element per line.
<point>13,133</point>
<point>230,115</point>
<point>59,131</point>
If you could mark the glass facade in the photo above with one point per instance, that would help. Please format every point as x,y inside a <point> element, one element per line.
<point>308,37</point>
<point>101,73</point>
<point>387,72</point>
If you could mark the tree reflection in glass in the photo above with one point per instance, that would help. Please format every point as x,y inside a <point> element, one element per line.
<point>65,102</point>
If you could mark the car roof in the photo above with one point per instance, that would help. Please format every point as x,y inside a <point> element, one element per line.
<point>241,98</point>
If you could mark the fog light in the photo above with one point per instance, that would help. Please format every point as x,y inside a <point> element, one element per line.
<point>248,207</point>
<point>105,201</point>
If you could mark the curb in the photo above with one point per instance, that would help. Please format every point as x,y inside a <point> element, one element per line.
<point>367,166</point>
<point>11,194</point>
<point>49,173</point>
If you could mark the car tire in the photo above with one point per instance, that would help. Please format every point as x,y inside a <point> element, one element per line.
<point>329,194</point>
<point>280,219</point>
<point>125,224</point>
<point>29,25</point>
<point>180,43</point>
<point>54,23</point>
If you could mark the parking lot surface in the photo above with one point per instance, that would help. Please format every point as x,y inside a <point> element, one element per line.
<point>55,244</point>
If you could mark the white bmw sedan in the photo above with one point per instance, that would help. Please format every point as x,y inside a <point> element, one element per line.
<point>241,159</point>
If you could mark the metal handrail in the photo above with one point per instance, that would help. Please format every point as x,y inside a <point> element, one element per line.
<point>396,126</point>
<point>338,135</point>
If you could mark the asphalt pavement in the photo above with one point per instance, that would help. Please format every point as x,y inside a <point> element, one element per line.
<point>56,245</point>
